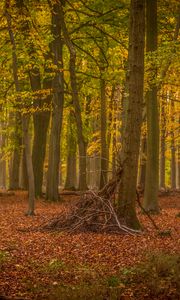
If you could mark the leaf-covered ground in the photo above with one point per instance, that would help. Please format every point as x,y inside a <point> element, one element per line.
<point>35,264</point>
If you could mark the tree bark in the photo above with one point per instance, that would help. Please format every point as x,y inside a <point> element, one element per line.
<point>25,118</point>
<point>17,141</point>
<point>178,158</point>
<point>2,160</point>
<point>57,108</point>
<point>71,176</point>
<point>127,189</point>
<point>152,165</point>
<point>29,165</point>
<point>143,158</point>
<point>162,146</point>
<point>104,151</point>
<point>82,145</point>
<point>40,116</point>
<point>23,172</point>
<point>41,122</point>
<point>173,148</point>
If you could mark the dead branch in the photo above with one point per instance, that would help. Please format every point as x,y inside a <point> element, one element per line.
<point>93,212</point>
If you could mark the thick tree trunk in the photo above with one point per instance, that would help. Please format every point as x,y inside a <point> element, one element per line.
<point>57,106</point>
<point>127,189</point>
<point>75,98</point>
<point>71,176</point>
<point>40,116</point>
<point>152,165</point>
<point>41,123</point>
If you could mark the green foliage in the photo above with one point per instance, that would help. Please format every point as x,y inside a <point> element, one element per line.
<point>113,281</point>
<point>160,274</point>
<point>164,233</point>
<point>54,265</point>
<point>4,256</point>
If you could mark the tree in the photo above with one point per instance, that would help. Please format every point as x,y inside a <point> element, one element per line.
<point>71,176</point>
<point>152,165</point>
<point>57,106</point>
<point>25,116</point>
<point>75,99</point>
<point>173,146</point>
<point>162,145</point>
<point>130,151</point>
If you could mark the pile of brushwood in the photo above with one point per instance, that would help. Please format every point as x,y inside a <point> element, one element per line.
<point>94,212</point>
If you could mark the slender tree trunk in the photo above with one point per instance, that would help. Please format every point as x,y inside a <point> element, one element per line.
<point>2,160</point>
<point>17,140</point>
<point>29,165</point>
<point>178,159</point>
<point>82,145</point>
<point>162,146</point>
<point>127,189</point>
<point>71,176</point>
<point>173,148</point>
<point>104,151</point>
<point>95,177</point>
<point>143,158</point>
<point>116,100</point>
<point>25,118</point>
<point>23,173</point>
<point>152,165</point>
<point>57,106</point>
<point>113,128</point>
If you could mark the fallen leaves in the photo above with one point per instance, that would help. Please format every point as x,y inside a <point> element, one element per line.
<point>76,257</point>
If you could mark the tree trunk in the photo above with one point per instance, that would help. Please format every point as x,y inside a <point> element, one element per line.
<point>23,173</point>
<point>143,158</point>
<point>178,159</point>
<point>17,140</point>
<point>41,123</point>
<point>173,148</point>
<point>116,100</point>
<point>127,189</point>
<point>25,118</point>
<point>29,165</point>
<point>2,160</point>
<point>104,152</point>
<point>163,146</point>
<point>57,106</point>
<point>75,98</point>
<point>152,165</point>
<point>71,176</point>
<point>40,116</point>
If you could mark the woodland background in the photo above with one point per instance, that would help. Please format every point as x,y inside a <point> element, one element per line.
<point>90,127</point>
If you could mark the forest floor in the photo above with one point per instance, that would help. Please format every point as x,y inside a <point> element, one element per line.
<point>59,265</point>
